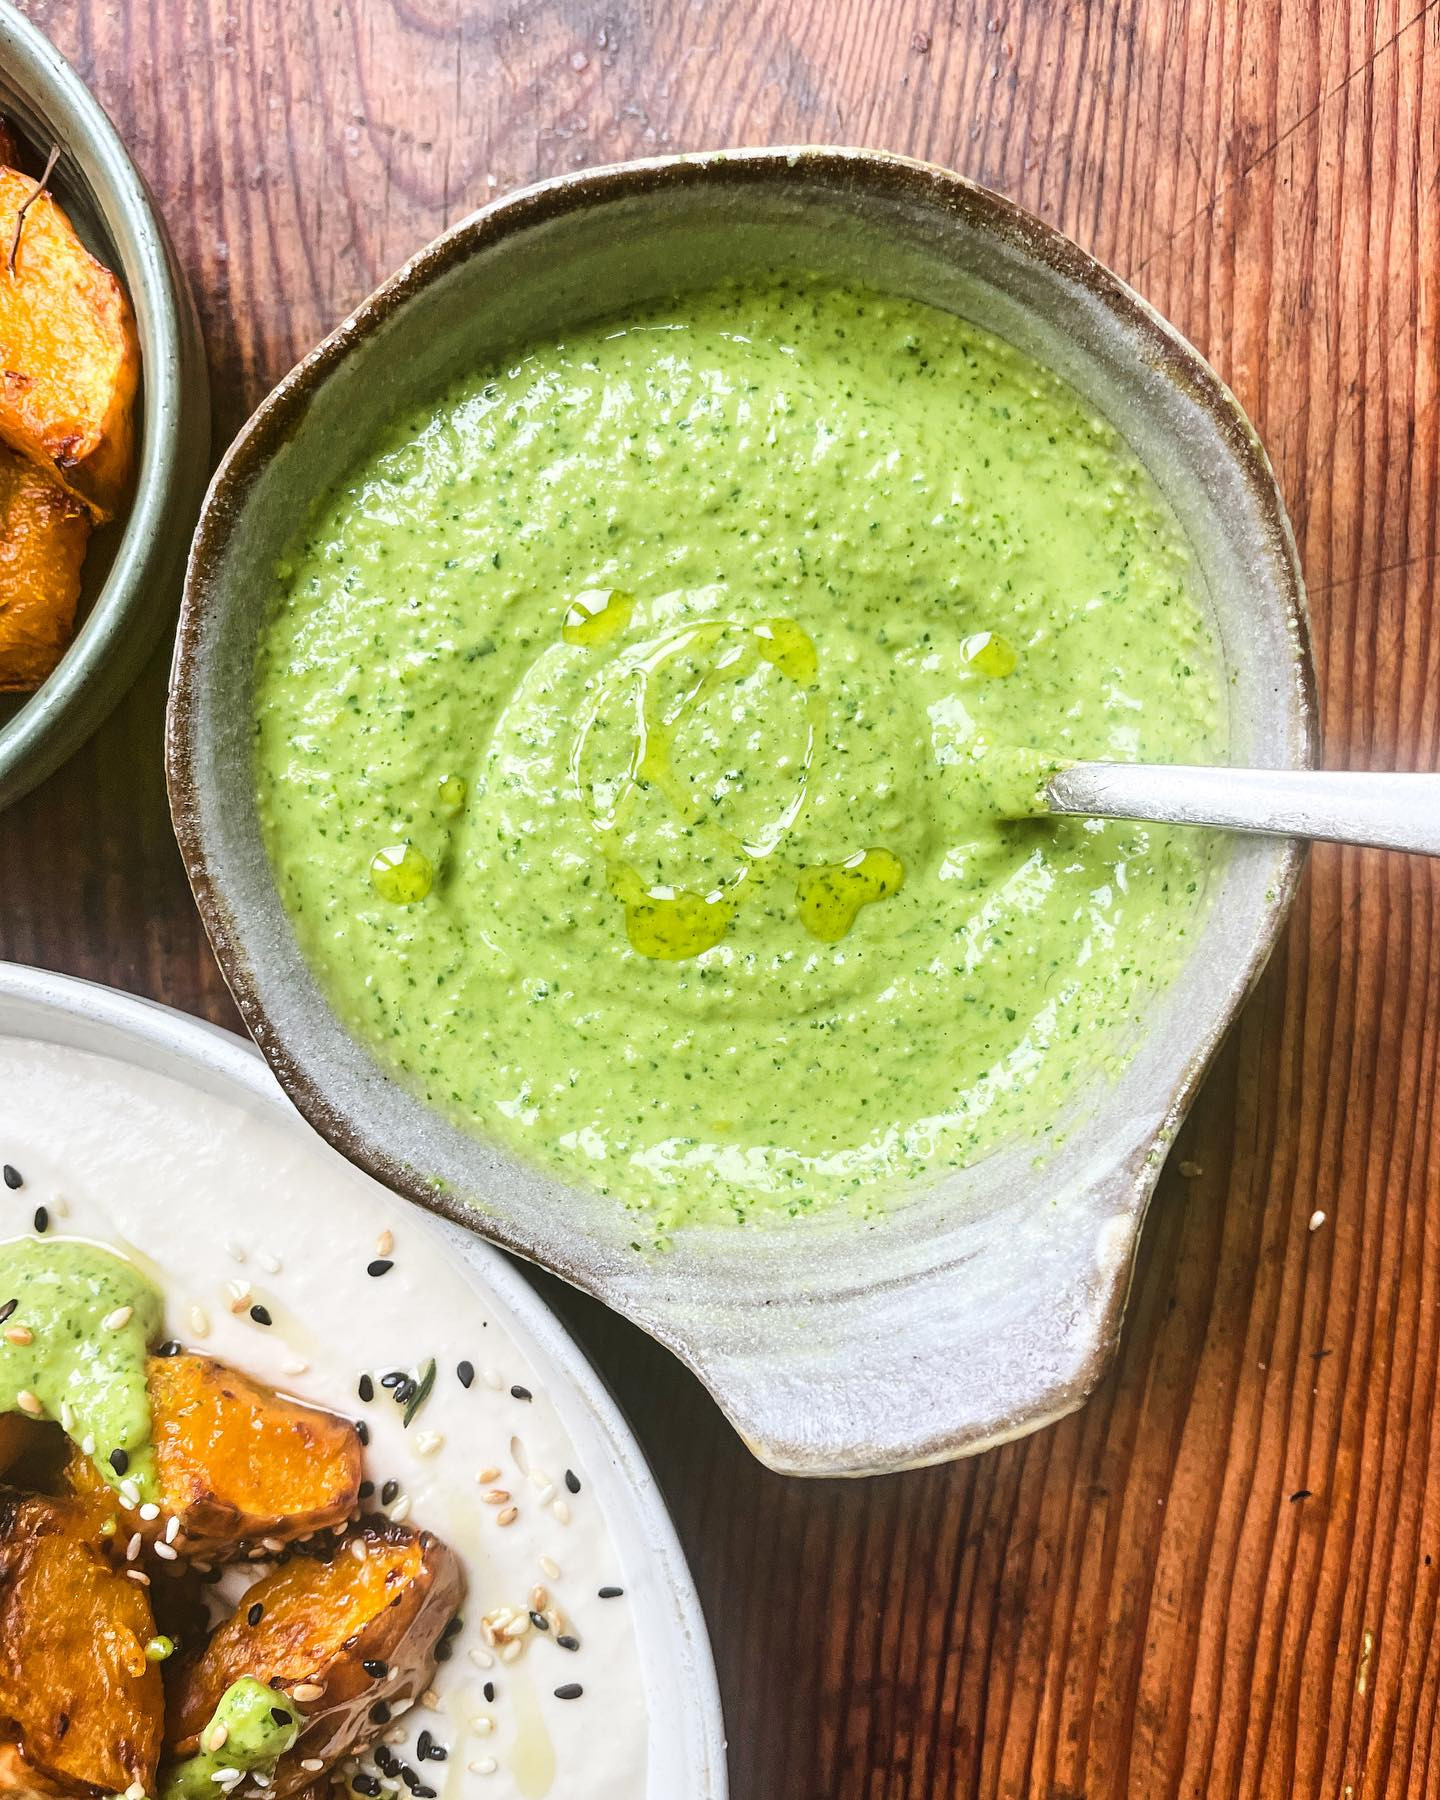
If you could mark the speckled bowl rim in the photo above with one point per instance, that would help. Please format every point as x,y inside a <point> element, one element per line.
<point>877,171</point>
<point>138,595</point>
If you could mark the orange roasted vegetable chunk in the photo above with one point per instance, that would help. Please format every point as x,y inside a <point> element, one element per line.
<point>76,1692</point>
<point>43,533</point>
<point>19,1781</point>
<point>320,1622</point>
<point>69,359</point>
<point>236,1460</point>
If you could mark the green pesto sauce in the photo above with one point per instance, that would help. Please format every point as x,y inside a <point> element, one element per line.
<point>86,1374</point>
<point>260,1726</point>
<point>638,732</point>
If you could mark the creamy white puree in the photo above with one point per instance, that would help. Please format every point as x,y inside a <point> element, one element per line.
<point>207,1195</point>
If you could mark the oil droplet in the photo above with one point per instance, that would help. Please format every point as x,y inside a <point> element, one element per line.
<point>401,873</point>
<point>989,654</point>
<point>831,897</point>
<point>790,648</point>
<point>452,792</point>
<point>670,924</point>
<point>596,616</point>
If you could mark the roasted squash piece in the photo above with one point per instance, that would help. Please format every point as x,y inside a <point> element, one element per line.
<point>77,1694</point>
<point>43,534</point>
<point>69,358</point>
<point>19,1781</point>
<point>236,1461</point>
<point>383,1597</point>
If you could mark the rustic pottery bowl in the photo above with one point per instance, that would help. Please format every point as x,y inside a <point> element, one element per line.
<point>132,571</point>
<point>979,1308</point>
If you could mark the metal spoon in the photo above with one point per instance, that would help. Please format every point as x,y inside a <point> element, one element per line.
<point>1391,812</point>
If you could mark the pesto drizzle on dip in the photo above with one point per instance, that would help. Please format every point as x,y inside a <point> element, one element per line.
<point>73,1349</point>
<point>637,730</point>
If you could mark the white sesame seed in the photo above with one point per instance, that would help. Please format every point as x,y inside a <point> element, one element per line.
<point>507,1515</point>
<point>400,1511</point>
<point>357,1549</point>
<point>496,1496</point>
<point>539,1479</point>
<point>1317,1219</point>
<point>428,1442</point>
<point>121,1316</point>
<point>199,1320</point>
<point>399,1707</point>
<point>487,1475</point>
<point>517,1451</point>
<point>172,1529</point>
<point>492,1378</point>
<point>511,1651</point>
<point>239,1292</point>
<point>130,1493</point>
<point>518,1626</point>
<point>294,1365</point>
<point>132,1549</point>
<point>236,1252</point>
<point>385,1243</point>
<point>226,1775</point>
<point>20,1335</point>
<point>396,1735</point>
<point>27,1403</point>
<point>482,1725</point>
<point>430,1699</point>
<point>312,1765</point>
<point>548,1566</point>
<point>561,1510</point>
<point>60,1206</point>
<point>269,1262</point>
<point>135,1791</point>
<point>486,1766</point>
<point>149,1511</point>
<point>306,1690</point>
<point>165,1552</point>
<point>139,1575</point>
<point>482,1659</point>
<point>67,1418</point>
<point>260,1779</point>
<point>273,1544</point>
<point>539,1599</point>
<point>216,1737</point>
<point>87,1443</point>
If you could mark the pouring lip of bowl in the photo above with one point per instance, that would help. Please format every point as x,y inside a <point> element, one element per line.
<point>800,1441</point>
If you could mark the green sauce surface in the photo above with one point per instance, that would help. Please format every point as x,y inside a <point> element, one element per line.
<point>74,1345</point>
<point>255,1726</point>
<point>635,732</point>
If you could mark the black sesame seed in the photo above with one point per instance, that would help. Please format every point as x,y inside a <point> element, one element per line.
<point>611,1593</point>
<point>362,1431</point>
<point>422,1745</point>
<point>405,1390</point>
<point>438,1753</point>
<point>393,1379</point>
<point>566,1642</point>
<point>365,1490</point>
<point>382,1265</point>
<point>171,1347</point>
<point>389,1491</point>
<point>119,1461</point>
<point>521,1393</point>
<point>1301,1494</point>
<point>443,1652</point>
<point>375,1669</point>
<point>7,1309</point>
<point>452,1627</point>
<point>380,1713</point>
<point>364,1784</point>
<point>572,1481</point>
<point>423,1793</point>
<point>571,1690</point>
<point>538,1620</point>
<point>465,1373</point>
<point>489,1691</point>
<point>367,1389</point>
<point>281,1717</point>
<point>409,1777</point>
<point>12,1176</point>
<point>256,1613</point>
<point>261,1315</point>
<point>386,1760</point>
<point>42,1219</point>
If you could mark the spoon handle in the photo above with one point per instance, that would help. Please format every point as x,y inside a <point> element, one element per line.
<point>1393,812</point>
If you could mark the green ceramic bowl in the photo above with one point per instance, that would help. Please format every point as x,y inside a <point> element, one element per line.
<point>132,573</point>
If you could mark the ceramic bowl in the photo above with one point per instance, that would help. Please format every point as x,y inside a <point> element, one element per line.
<point>977,1309</point>
<point>132,572</point>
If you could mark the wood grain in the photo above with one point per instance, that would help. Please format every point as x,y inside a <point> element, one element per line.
<point>1221,1577</point>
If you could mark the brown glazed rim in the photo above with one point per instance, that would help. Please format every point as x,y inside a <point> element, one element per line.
<point>842,169</point>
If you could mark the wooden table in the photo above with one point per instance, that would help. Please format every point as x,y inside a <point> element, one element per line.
<point>1222,1576</point>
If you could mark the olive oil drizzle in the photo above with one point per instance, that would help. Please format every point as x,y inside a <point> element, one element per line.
<point>672,924</point>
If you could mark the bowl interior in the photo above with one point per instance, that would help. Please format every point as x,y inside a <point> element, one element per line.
<point>986,1303</point>
<point>130,577</point>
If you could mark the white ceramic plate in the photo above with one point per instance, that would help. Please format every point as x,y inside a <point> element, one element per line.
<point>685,1732</point>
